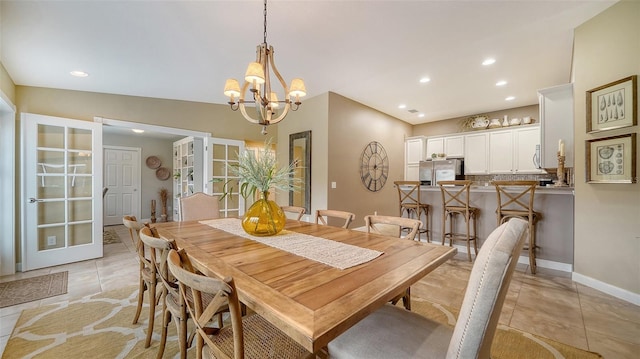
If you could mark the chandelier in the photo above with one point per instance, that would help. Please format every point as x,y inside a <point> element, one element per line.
<point>268,109</point>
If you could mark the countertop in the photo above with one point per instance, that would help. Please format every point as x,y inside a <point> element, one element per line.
<point>492,189</point>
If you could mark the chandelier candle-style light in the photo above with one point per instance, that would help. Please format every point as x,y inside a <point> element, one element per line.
<point>257,80</point>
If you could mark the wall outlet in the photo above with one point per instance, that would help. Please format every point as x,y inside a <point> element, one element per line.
<point>51,240</point>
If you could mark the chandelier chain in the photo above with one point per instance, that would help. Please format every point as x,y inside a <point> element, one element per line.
<point>265,21</point>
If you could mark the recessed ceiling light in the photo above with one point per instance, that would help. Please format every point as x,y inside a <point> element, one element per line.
<point>424,80</point>
<point>501,83</point>
<point>402,106</point>
<point>421,115</point>
<point>137,130</point>
<point>488,61</point>
<point>78,73</point>
<point>510,98</point>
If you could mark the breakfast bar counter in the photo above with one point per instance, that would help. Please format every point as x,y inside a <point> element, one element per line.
<point>554,230</point>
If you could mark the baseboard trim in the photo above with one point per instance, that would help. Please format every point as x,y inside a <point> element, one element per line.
<point>541,263</point>
<point>620,293</point>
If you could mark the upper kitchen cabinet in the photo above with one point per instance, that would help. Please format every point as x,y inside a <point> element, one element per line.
<point>476,154</point>
<point>454,146</point>
<point>413,154</point>
<point>451,146</point>
<point>435,145</point>
<point>556,121</point>
<point>515,151</point>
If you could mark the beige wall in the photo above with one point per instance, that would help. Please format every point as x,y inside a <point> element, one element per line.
<point>351,127</point>
<point>607,216</point>
<point>312,115</point>
<point>453,125</point>
<point>6,84</point>
<point>218,120</point>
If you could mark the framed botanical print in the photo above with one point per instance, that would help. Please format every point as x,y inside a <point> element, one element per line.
<point>613,105</point>
<point>611,159</point>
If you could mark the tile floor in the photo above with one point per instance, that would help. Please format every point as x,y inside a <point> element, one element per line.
<point>549,304</point>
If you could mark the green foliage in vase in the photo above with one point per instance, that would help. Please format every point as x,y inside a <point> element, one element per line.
<point>259,172</point>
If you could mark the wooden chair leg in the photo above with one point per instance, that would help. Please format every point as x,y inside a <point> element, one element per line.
<point>152,314</point>
<point>475,234</point>
<point>166,318</point>
<point>467,218</point>
<point>141,289</point>
<point>406,300</point>
<point>532,248</point>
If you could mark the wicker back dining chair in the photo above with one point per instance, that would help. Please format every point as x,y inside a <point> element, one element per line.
<point>250,336</point>
<point>323,216</point>
<point>392,332</point>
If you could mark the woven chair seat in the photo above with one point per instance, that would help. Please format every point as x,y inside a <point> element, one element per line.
<point>262,340</point>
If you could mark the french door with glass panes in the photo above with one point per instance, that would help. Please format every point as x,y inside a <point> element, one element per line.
<point>62,188</point>
<point>224,153</point>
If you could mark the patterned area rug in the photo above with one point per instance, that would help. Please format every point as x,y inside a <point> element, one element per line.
<point>30,289</point>
<point>110,236</point>
<point>99,326</point>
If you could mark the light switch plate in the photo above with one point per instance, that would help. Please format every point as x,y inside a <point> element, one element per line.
<point>333,185</point>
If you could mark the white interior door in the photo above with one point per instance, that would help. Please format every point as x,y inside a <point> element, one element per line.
<point>122,179</point>
<point>62,191</point>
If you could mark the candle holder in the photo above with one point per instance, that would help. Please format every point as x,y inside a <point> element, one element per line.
<point>560,172</point>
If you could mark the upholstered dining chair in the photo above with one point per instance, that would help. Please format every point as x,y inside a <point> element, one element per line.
<point>199,206</point>
<point>373,222</point>
<point>297,211</point>
<point>393,332</point>
<point>147,281</point>
<point>250,336</point>
<point>323,216</point>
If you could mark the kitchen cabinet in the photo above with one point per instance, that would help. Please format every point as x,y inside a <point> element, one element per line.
<point>454,146</point>
<point>556,121</point>
<point>413,154</point>
<point>527,153</point>
<point>514,151</point>
<point>476,154</point>
<point>501,149</point>
<point>435,145</point>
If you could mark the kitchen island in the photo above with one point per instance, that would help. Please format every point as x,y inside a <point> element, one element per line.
<point>554,231</point>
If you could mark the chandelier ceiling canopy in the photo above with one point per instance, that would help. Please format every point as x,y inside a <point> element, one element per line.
<point>269,109</point>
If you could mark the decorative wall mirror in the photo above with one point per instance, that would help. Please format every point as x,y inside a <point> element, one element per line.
<point>300,155</point>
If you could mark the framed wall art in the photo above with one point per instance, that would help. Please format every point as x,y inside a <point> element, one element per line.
<point>613,105</point>
<point>611,159</point>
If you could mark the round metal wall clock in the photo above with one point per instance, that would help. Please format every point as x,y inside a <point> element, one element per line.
<point>374,166</point>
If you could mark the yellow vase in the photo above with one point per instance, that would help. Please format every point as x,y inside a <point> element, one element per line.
<point>264,218</point>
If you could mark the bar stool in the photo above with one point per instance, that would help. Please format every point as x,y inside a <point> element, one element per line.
<point>515,200</point>
<point>409,195</point>
<point>455,201</point>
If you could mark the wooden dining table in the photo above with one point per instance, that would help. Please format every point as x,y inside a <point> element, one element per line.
<point>311,302</point>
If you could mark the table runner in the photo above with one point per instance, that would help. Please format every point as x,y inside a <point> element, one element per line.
<point>332,253</point>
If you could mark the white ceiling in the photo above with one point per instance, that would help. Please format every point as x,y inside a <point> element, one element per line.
<point>371,51</point>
